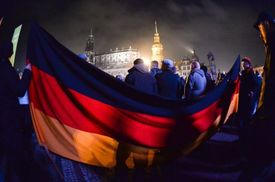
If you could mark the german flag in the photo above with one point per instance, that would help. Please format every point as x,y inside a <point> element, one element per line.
<point>86,115</point>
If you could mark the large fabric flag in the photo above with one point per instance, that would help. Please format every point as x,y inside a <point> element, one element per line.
<point>86,115</point>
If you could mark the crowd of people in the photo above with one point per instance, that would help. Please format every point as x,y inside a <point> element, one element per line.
<point>164,82</point>
<point>167,83</point>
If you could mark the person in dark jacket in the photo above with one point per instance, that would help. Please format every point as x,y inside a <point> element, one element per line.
<point>248,92</point>
<point>210,84</point>
<point>11,143</point>
<point>169,84</point>
<point>196,82</point>
<point>140,78</point>
<point>182,81</point>
<point>155,68</point>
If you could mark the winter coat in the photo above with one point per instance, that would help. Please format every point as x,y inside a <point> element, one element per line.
<point>141,80</point>
<point>155,71</point>
<point>196,84</point>
<point>170,85</point>
<point>247,102</point>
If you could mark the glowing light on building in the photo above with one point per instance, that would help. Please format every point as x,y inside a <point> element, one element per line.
<point>157,47</point>
<point>147,61</point>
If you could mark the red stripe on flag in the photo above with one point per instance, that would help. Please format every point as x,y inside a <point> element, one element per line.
<point>87,114</point>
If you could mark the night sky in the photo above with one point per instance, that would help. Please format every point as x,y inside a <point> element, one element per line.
<point>221,26</point>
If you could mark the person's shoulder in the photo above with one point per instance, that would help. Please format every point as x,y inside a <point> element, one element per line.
<point>159,74</point>
<point>176,76</point>
<point>149,75</point>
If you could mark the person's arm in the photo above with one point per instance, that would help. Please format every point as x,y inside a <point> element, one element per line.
<point>254,88</point>
<point>24,83</point>
<point>15,85</point>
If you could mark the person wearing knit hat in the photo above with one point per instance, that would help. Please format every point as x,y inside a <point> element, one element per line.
<point>168,62</point>
<point>247,59</point>
<point>169,84</point>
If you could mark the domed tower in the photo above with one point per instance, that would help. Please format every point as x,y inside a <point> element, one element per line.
<point>157,48</point>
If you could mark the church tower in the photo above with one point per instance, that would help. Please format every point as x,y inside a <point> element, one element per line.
<point>212,65</point>
<point>157,48</point>
<point>89,50</point>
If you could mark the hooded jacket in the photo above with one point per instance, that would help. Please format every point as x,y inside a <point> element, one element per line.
<point>141,79</point>
<point>170,85</point>
<point>196,84</point>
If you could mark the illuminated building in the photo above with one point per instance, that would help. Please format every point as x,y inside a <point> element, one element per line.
<point>113,62</point>
<point>183,66</point>
<point>89,50</point>
<point>157,48</point>
<point>116,61</point>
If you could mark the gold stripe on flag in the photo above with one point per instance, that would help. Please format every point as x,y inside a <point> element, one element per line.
<point>75,144</point>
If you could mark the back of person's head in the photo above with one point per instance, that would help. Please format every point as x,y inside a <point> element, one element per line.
<point>6,50</point>
<point>138,61</point>
<point>154,64</point>
<point>195,64</point>
<point>167,64</point>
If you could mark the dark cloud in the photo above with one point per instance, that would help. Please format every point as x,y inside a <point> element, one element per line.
<point>223,27</point>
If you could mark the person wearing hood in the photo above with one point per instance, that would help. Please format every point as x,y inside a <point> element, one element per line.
<point>169,84</point>
<point>196,82</point>
<point>140,78</point>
